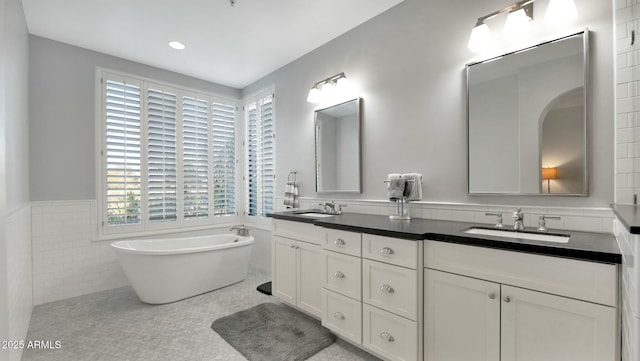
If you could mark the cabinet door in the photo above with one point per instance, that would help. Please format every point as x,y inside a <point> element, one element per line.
<point>539,326</point>
<point>284,269</point>
<point>309,278</point>
<point>462,318</point>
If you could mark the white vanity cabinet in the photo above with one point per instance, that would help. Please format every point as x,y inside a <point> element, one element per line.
<point>296,261</point>
<point>488,304</point>
<point>392,296</point>
<point>372,292</point>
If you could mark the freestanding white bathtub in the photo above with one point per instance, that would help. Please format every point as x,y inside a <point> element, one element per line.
<point>168,270</point>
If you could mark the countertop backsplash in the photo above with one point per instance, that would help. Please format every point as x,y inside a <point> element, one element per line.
<point>598,220</point>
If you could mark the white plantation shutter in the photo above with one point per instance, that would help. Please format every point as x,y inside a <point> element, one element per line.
<point>224,159</point>
<point>195,155</point>
<point>122,153</point>
<point>169,156</point>
<point>260,155</point>
<point>252,158</point>
<point>267,152</point>
<point>161,156</point>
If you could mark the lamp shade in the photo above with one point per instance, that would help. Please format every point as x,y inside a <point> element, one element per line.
<point>550,173</point>
<point>314,95</point>
<point>480,38</point>
<point>560,12</point>
<point>517,24</point>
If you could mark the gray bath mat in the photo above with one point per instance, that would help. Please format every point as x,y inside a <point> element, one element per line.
<point>269,332</point>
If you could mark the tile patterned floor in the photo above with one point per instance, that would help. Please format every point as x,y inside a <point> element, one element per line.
<point>115,325</point>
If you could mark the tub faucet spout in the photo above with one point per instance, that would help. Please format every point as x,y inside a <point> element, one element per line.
<point>241,230</point>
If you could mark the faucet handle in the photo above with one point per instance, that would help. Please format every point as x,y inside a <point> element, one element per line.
<point>498,219</point>
<point>340,206</point>
<point>542,224</point>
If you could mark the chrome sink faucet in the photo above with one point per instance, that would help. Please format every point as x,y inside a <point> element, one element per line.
<point>328,207</point>
<point>518,218</point>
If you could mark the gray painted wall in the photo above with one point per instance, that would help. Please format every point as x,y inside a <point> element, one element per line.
<point>17,126</point>
<point>409,66</point>
<point>62,111</point>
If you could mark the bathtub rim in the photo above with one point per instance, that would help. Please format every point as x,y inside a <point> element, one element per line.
<point>119,247</point>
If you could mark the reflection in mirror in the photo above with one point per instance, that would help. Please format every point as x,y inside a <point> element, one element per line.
<point>527,120</point>
<point>338,148</point>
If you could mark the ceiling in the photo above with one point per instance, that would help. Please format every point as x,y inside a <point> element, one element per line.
<point>229,45</point>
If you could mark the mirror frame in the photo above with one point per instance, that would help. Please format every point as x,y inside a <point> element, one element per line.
<point>586,71</point>
<point>358,101</point>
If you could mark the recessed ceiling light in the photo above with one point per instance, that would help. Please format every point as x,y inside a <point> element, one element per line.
<point>177,45</point>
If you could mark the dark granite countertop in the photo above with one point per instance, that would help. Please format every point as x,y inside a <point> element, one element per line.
<point>599,247</point>
<point>629,215</point>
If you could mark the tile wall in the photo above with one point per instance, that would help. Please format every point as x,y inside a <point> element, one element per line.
<point>572,218</point>
<point>19,276</point>
<point>66,263</point>
<point>627,75</point>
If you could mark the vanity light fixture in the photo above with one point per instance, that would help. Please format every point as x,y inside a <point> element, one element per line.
<point>548,174</point>
<point>517,22</point>
<point>333,87</point>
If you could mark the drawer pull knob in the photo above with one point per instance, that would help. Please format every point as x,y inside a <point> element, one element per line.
<point>339,242</point>
<point>492,296</point>
<point>339,274</point>
<point>339,315</point>
<point>507,299</point>
<point>293,246</point>
<point>387,336</point>
<point>387,289</point>
<point>386,251</point>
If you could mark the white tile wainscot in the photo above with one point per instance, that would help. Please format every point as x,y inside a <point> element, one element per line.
<point>66,262</point>
<point>582,219</point>
<point>19,276</point>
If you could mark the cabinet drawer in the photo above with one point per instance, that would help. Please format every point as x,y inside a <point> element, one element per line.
<point>342,315</point>
<point>343,242</point>
<point>401,252</point>
<point>342,273</point>
<point>391,336</point>
<point>297,230</point>
<point>391,288</point>
<point>590,281</point>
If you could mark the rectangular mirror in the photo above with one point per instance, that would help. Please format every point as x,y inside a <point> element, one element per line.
<point>338,148</point>
<point>527,120</point>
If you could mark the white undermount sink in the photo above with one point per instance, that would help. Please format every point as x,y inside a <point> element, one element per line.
<point>519,235</point>
<point>315,215</point>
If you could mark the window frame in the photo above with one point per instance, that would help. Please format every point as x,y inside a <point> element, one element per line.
<point>104,231</point>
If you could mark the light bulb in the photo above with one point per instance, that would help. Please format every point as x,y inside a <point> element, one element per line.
<point>560,12</point>
<point>480,38</point>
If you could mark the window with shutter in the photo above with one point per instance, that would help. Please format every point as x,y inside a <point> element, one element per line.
<point>122,152</point>
<point>169,156</point>
<point>260,155</point>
